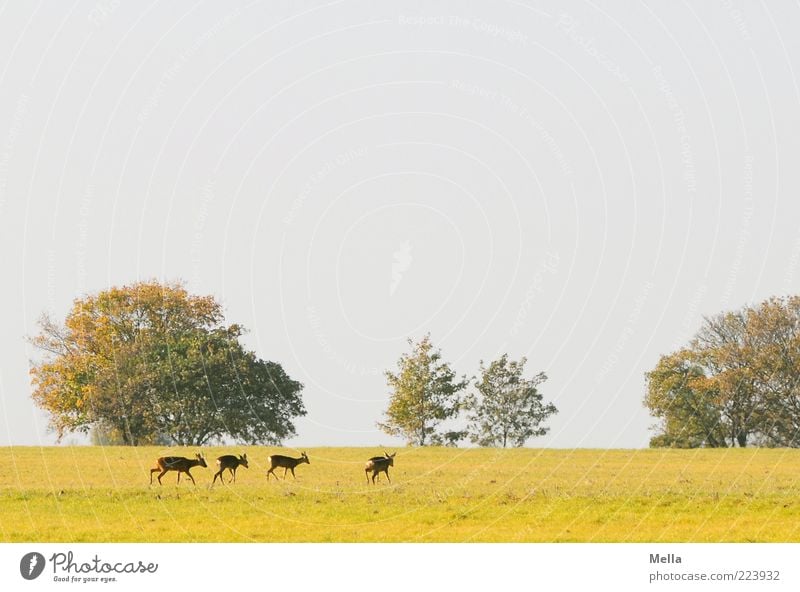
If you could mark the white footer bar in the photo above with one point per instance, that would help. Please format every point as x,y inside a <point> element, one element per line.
<point>401,567</point>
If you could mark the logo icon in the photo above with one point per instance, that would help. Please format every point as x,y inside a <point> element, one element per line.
<point>31,565</point>
<point>401,263</point>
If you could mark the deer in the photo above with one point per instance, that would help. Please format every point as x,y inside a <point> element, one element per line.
<point>177,463</point>
<point>230,462</point>
<point>379,464</point>
<point>288,463</point>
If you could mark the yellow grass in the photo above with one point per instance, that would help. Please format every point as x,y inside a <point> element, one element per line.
<point>70,494</point>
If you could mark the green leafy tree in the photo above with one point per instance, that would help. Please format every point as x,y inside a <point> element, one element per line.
<point>704,394</point>
<point>688,403</point>
<point>509,408</point>
<point>774,372</point>
<point>735,384</point>
<point>150,363</point>
<point>424,393</point>
<point>723,348</point>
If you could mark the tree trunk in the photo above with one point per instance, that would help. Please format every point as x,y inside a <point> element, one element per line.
<point>741,438</point>
<point>422,419</point>
<point>125,432</point>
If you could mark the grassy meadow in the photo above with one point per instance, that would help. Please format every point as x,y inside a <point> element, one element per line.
<point>79,494</point>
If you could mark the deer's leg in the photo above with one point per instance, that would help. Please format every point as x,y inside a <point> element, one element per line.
<point>387,475</point>
<point>293,475</point>
<point>233,472</point>
<point>161,474</point>
<point>217,474</point>
<point>366,474</point>
<point>151,474</point>
<point>285,470</point>
<point>179,477</point>
<point>192,478</point>
<point>271,471</point>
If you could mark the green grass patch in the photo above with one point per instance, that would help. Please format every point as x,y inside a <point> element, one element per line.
<point>81,494</point>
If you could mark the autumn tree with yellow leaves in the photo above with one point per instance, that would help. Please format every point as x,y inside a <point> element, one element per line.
<point>737,383</point>
<point>150,362</point>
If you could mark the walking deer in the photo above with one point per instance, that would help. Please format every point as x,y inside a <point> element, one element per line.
<point>177,463</point>
<point>286,462</point>
<point>379,464</point>
<point>230,462</point>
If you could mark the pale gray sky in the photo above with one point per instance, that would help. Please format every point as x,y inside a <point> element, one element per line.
<point>576,183</point>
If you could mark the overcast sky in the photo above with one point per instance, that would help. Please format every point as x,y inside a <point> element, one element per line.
<point>578,185</point>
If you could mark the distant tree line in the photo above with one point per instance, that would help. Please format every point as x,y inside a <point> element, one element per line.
<point>736,383</point>
<point>150,363</point>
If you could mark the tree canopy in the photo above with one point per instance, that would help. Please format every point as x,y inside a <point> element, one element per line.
<point>735,383</point>
<point>150,362</point>
<point>509,408</point>
<point>424,393</point>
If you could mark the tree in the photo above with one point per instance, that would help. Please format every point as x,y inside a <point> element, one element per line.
<point>724,349</point>
<point>509,409</point>
<point>735,384</point>
<point>774,329</point>
<point>150,363</point>
<point>687,401</point>
<point>425,393</point>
